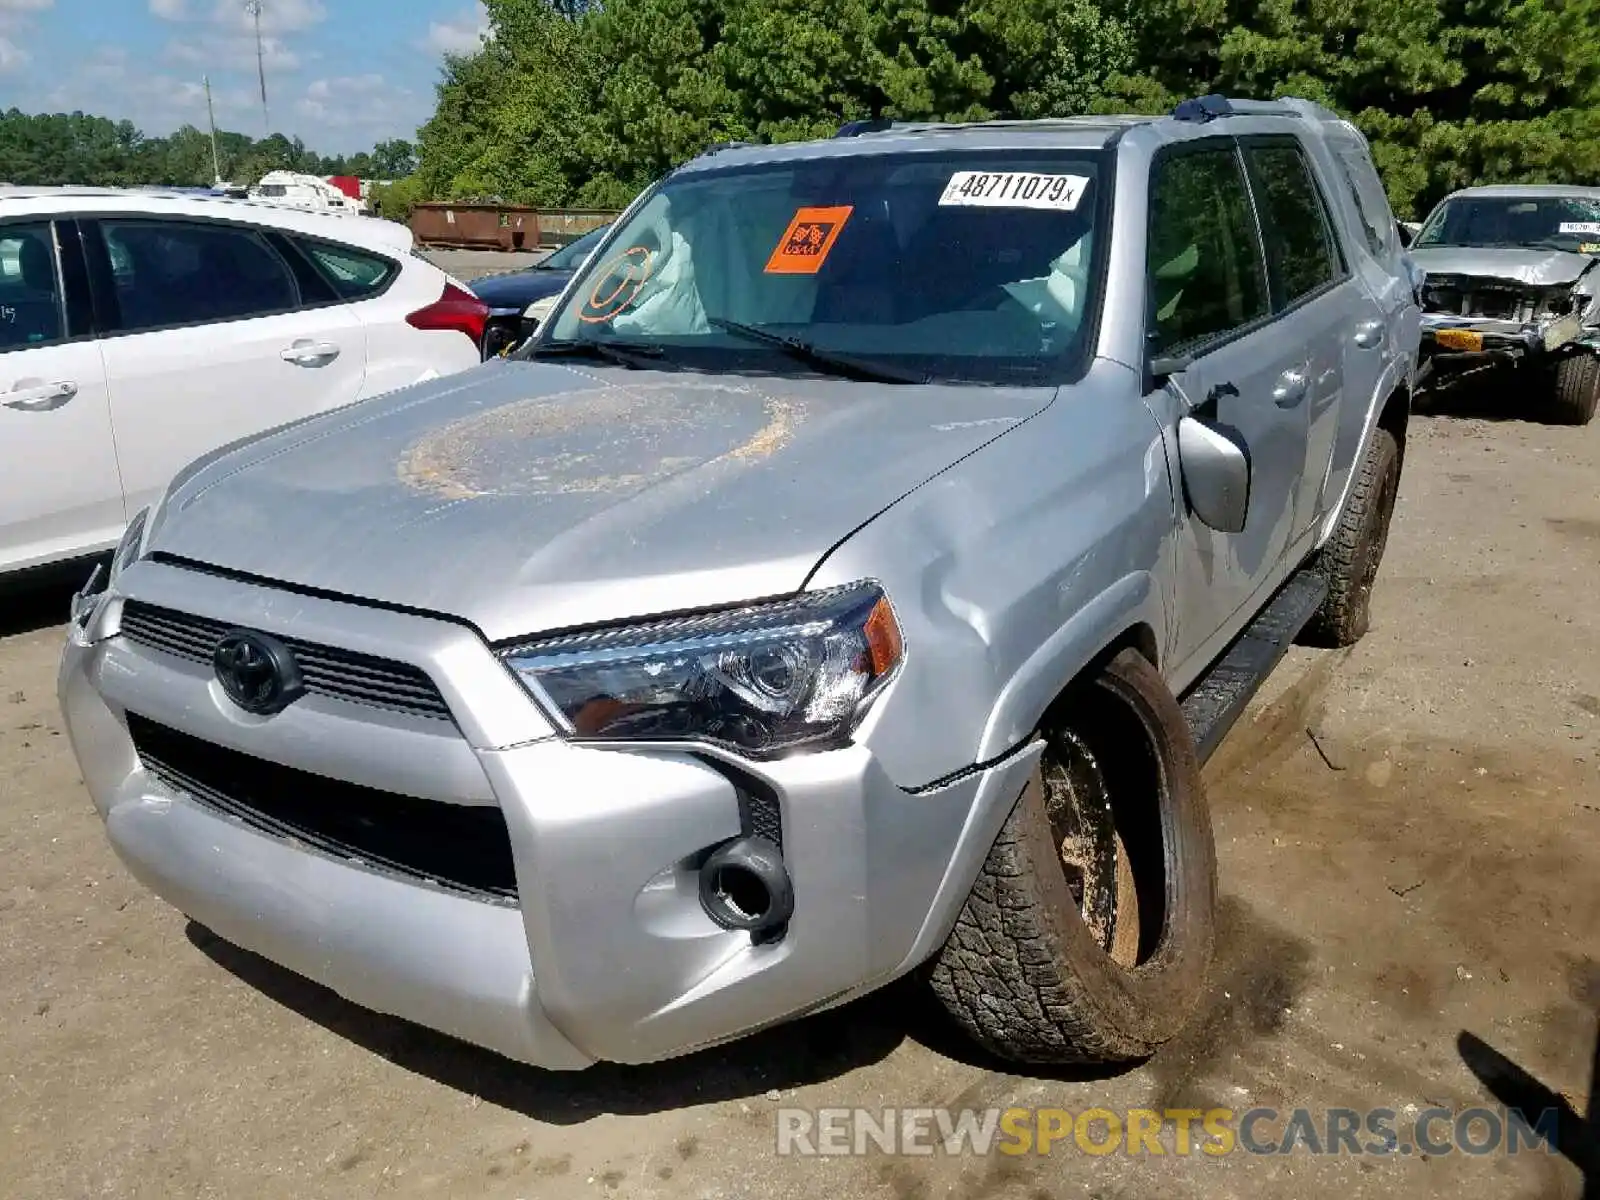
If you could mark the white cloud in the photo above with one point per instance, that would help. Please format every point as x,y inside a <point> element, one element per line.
<point>277,16</point>
<point>215,51</point>
<point>12,56</point>
<point>170,10</point>
<point>25,6</point>
<point>461,34</point>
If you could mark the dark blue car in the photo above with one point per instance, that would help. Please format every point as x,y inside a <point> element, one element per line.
<point>509,295</point>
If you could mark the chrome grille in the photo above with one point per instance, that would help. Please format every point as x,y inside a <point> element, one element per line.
<point>343,674</point>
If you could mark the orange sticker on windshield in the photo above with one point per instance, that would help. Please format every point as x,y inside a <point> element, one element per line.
<point>804,246</point>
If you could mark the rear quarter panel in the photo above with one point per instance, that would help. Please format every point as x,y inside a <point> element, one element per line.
<point>397,354</point>
<point>1012,570</point>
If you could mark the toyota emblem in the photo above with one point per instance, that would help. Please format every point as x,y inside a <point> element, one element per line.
<point>258,672</point>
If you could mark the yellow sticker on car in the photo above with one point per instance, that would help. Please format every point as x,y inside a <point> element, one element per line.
<point>1589,248</point>
<point>1459,339</point>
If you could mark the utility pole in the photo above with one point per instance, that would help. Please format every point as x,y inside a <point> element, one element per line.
<point>211,115</point>
<point>253,7</point>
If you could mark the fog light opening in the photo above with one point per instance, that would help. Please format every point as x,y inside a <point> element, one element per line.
<point>744,895</point>
<point>745,886</point>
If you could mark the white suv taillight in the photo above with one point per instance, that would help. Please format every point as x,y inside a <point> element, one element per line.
<point>456,309</point>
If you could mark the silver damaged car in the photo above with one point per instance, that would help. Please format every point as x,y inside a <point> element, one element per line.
<point>848,580</point>
<point>1512,277</point>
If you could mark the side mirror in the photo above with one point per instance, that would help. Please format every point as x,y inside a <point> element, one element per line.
<point>1214,460</point>
<point>1216,473</point>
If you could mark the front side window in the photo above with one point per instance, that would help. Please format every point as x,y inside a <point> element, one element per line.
<point>1204,270</point>
<point>30,290</point>
<point>1300,248</point>
<point>169,273</point>
<point>1532,222</point>
<point>961,266</point>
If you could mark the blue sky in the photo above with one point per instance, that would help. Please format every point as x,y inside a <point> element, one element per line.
<point>341,74</point>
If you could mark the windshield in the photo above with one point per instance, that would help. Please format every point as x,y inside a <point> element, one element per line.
<point>571,256</point>
<point>1539,222</point>
<point>970,267</point>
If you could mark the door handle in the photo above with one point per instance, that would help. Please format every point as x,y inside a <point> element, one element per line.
<point>44,398</point>
<point>1290,388</point>
<point>310,354</point>
<point>1369,335</point>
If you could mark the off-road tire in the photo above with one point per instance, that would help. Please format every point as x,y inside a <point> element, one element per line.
<point>1350,560</point>
<point>1575,390</point>
<point>1021,972</point>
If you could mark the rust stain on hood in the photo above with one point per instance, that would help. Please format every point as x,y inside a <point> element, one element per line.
<point>597,440</point>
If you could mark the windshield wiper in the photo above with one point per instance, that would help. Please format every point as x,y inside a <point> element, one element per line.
<point>634,355</point>
<point>843,365</point>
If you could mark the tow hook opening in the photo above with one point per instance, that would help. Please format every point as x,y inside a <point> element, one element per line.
<point>744,885</point>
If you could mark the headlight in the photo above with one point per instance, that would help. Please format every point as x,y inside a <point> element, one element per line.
<point>759,679</point>
<point>540,309</point>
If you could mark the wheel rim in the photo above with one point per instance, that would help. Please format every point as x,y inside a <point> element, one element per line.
<point>1094,860</point>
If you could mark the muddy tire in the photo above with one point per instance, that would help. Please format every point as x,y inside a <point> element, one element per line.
<point>1033,970</point>
<point>1576,389</point>
<point>1350,560</point>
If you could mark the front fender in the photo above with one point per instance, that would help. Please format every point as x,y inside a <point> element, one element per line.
<point>1130,603</point>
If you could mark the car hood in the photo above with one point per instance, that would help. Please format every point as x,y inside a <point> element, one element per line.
<point>524,497</point>
<point>1537,268</point>
<point>518,289</point>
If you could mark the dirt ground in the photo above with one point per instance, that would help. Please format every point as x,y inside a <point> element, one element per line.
<point>1409,856</point>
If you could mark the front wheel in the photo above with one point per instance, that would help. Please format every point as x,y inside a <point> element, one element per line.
<point>1088,932</point>
<point>1576,390</point>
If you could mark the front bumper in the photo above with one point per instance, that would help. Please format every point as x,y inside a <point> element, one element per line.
<point>605,953</point>
<point>1447,338</point>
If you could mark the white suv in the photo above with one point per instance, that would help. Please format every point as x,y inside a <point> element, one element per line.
<point>140,330</point>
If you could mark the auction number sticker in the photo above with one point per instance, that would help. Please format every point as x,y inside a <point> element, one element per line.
<point>1014,189</point>
<point>1591,228</point>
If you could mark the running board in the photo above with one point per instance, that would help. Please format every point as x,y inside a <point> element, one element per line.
<point>1220,696</point>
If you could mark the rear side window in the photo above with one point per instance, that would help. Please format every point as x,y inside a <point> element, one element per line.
<point>1294,220</point>
<point>30,289</point>
<point>168,273</point>
<point>355,274</point>
<point>1204,271</point>
<point>1366,188</point>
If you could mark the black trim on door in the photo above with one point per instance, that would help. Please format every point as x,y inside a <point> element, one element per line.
<point>74,281</point>
<point>1341,254</point>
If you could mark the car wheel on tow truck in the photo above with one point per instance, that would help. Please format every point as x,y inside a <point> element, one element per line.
<point>1576,389</point>
<point>1088,932</point>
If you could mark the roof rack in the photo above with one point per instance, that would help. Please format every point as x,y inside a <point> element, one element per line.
<point>870,125</point>
<point>1201,109</point>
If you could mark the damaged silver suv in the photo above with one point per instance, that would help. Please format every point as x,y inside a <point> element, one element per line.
<point>1512,276</point>
<point>848,580</point>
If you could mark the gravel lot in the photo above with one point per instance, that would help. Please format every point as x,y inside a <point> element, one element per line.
<point>1409,845</point>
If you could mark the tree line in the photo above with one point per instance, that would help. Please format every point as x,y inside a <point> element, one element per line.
<point>569,103</point>
<point>72,148</point>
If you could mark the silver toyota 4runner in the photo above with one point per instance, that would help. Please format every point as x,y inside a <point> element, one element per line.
<point>847,580</point>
